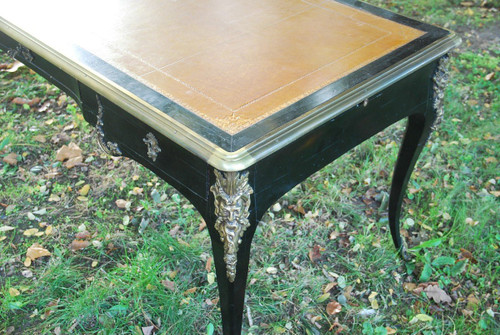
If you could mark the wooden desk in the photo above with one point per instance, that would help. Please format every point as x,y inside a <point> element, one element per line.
<point>234,102</point>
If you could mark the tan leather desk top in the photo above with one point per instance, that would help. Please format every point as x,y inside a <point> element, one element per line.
<point>233,63</point>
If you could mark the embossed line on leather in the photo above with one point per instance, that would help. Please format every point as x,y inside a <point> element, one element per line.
<point>234,63</point>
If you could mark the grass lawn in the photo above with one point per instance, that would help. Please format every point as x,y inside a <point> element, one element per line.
<point>115,250</point>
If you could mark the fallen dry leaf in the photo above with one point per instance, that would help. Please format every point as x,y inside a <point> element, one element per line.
<point>329,286</point>
<point>203,225</point>
<point>468,255</point>
<point>137,191</point>
<point>190,291</point>
<point>168,284</point>
<point>83,235</point>
<point>70,154</point>
<point>172,232</point>
<point>40,138</point>
<point>148,330</point>
<point>54,198</point>
<point>30,232</point>
<point>472,301</point>
<point>409,287</point>
<point>49,309</point>
<point>333,307</point>
<point>421,317</point>
<point>489,76</point>
<point>123,204</point>
<point>272,270</point>
<point>10,159</point>
<point>208,264</point>
<point>298,208</point>
<point>79,244</point>
<point>13,67</point>
<point>37,251</point>
<point>14,292</point>
<point>437,294</point>
<point>390,330</point>
<point>29,102</point>
<point>84,190</point>
<point>372,300</point>
<point>45,106</point>
<point>315,253</point>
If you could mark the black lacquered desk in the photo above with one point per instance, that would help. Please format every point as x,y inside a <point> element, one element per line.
<point>234,102</point>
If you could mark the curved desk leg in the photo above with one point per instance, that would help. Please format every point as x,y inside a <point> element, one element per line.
<point>417,131</point>
<point>231,229</point>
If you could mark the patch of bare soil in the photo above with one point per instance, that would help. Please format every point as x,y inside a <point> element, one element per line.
<point>483,38</point>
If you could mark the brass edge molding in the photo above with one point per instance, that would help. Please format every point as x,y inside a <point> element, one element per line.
<point>200,146</point>
<point>153,147</point>
<point>440,79</point>
<point>111,148</point>
<point>232,202</point>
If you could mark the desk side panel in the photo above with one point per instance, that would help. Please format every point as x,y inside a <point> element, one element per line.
<point>281,171</point>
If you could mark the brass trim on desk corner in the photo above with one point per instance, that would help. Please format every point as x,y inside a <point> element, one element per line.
<point>198,145</point>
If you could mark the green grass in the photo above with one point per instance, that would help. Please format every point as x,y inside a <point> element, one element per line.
<point>147,265</point>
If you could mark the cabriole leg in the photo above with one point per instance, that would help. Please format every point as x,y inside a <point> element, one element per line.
<point>414,140</point>
<point>418,130</point>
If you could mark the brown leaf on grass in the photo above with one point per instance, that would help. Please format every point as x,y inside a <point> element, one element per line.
<point>84,190</point>
<point>329,286</point>
<point>333,307</point>
<point>30,232</point>
<point>203,225</point>
<point>168,284</point>
<point>391,330</point>
<point>409,287</point>
<point>60,138</point>
<point>79,244</point>
<point>123,204</point>
<point>45,106</point>
<point>472,301</point>
<point>36,251</point>
<point>14,292</point>
<point>315,253</point>
<point>468,255</point>
<point>208,265</point>
<point>49,309</point>
<point>29,102</point>
<point>72,162</point>
<point>489,76</point>
<point>70,154</point>
<point>148,330</point>
<point>10,159</point>
<point>40,138</point>
<point>420,288</point>
<point>190,291</point>
<point>298,208</point>
<point>83,235</point>
<point>172,232</point>
<point>437,294</point>
<point>13,67</point>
